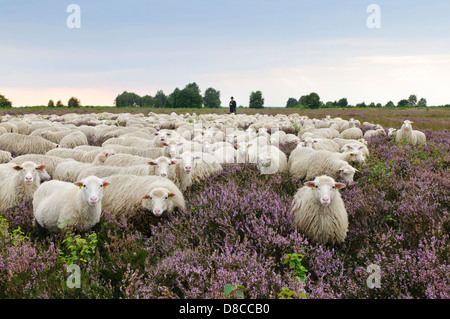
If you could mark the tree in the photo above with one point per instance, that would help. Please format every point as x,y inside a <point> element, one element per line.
<point>147,101</point>
<point>390,104</point>
<point>73,102</point>
<point>361,105</point>
<point>412,100</point>
<point>422,103</point>
<point>190,96</point>
<point>256,100</point>
<point>342,102</point>
<point>51,103</point>
<point>59,104</point>
<point>291,102</point>
<point>211,98</point>
<point>311,100</point>
<point>160,99</point>
<point>4,102</point>
<point>128,99</point>
<point>173,98</point>
<point>402,103</point>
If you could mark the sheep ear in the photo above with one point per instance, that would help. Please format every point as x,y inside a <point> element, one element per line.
<point>106,184</point>
<point>173,162</point>
<point>310,184</point>
<point>165,144</point>
<point>152,163</point>
<point>171,195</point>
<point>17,168</point>
<point>146,197</point>
<point>339,185</point>
<point>156,133</point>
<point>79,184</point>
<point>315,141</point>
<point>40,167</point>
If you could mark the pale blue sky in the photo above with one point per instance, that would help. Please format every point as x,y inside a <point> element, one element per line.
<point>284,48</point>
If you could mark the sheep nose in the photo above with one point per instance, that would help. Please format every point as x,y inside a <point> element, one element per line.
<point>325,200</point>
<point>163,175</point>
<point>157,211</point>
<point>93,198</point>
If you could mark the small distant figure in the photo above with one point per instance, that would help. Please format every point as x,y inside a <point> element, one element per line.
<point>232,106</point>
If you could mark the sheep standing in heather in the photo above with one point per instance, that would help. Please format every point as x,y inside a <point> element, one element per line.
<point>411,136</point>
<point>153,193</point>
<point>319,211</point>
<point>59,204</point>
<point>18,183</point>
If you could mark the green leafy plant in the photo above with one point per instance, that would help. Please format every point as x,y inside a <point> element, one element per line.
<point>295,263</point>
<point>17,236</point>
<point>236,291</point>
<point>76,250</point>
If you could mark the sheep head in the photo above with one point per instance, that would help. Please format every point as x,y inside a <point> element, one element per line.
<point>324,189</point>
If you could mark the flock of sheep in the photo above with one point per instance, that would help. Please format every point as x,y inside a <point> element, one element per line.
<point>149,161</point>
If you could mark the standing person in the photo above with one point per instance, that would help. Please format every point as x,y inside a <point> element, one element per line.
<point>232,106</point>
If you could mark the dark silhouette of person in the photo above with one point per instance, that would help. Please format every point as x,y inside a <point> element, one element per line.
<point>232,106</point>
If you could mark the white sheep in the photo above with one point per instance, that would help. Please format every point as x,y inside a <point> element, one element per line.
<point>67,153</point>
<point>319,144</point>
<point>5,157</point>
<point>225,155</point>
<point>18,183</point>
<point>272,160</point>
<point>24,144</point>
<point>413,137</point>
<point>125,160</point>
<point>153,193</point>
<point>352,133</point>
<point>319,211</point>
<point>59,204</point>
<point>50,162</point>
<point>74,139</point>
<point>308,164</point>
<point>374,133</point>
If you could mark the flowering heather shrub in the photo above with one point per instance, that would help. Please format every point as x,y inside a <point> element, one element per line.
<point>236,229</point>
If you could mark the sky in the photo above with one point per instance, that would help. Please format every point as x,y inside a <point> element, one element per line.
<point>285,48</point>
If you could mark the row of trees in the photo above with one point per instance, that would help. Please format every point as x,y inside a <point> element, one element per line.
<point>188,97</point>
<point>73,102</point>
<point>313,101</point>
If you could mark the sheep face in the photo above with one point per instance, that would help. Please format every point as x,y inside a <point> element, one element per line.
<point>29,171</point>
<point>346,173</point>
<point>163,136</point>
<point>207,147</point>
<point>157,201</point>
<point>407,125</point>
<point>308,142</point>
<point>357,156</point>
<point>173,147</point>
<point>186,160</point>
<point>324,188</point>
<point>162,166</point>
<point>92,189</point>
